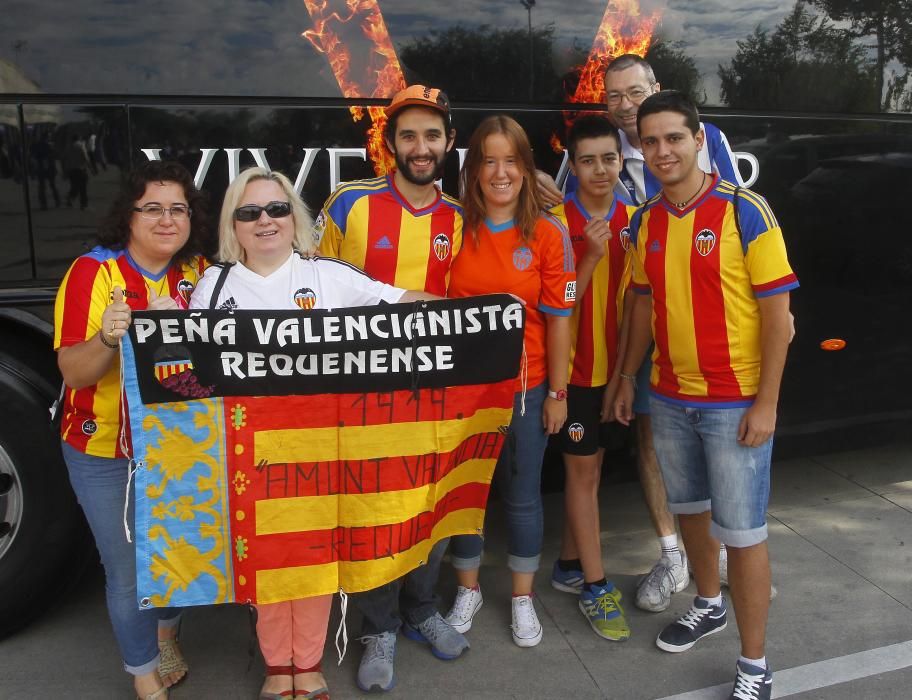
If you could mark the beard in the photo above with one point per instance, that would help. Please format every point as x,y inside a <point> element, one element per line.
<point>404,167</point>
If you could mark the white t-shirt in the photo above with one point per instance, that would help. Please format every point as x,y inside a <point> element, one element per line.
<point>300,283</point>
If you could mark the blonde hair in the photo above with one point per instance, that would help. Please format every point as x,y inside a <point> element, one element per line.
<point>529,204</point>
<point>229,250</point>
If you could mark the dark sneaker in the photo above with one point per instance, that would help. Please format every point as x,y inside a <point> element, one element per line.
<point>376,669</point>
<point>567,581</point>
<point>702,619</point>
<point>446,643</point>
<point>752,683</point>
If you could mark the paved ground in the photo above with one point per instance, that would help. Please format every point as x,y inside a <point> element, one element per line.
<point>840,628</point>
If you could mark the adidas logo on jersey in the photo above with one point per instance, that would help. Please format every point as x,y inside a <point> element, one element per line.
<point>384,244</point>
<point>655,247</point>
<point>230,304</point>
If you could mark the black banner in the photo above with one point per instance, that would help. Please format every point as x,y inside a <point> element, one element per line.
<point>194,354</point>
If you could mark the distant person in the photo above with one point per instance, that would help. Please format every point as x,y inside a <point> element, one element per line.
<point>402,230</point>
<point>146,257</point>
<point>712,284</point>
<point>75,163</point>
<point>45,170</point>
<point>629,79</point>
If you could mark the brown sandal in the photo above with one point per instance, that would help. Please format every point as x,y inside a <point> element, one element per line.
<point>171,660</point>
<point>319,693</point>
<point>279,671</point>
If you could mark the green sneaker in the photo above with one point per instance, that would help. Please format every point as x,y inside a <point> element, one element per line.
<point>602,608</point>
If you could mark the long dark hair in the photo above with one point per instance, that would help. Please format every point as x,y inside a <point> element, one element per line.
<point>529,206</point>
<point>114,231</point>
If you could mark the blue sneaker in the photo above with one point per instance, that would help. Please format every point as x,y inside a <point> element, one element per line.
<point>700,621</point>
<point>567,581</point>
<point>446,643</point>
<point>603,610</point>
<point>752,683</point>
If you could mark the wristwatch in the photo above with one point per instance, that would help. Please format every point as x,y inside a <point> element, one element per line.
<point>559,395</point>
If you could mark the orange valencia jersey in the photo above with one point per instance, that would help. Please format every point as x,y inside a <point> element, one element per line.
<point>597,314</point>
<point>369,224</point>
<point>91,416</point>
<point>541,272</point>
<point>705,277</point>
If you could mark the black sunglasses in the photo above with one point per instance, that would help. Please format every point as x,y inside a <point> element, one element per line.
<point>274,210</point>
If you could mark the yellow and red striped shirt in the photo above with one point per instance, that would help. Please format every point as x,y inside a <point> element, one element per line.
<point>91,416</point>
<point>705,279</point>
<point>369,224</point>
<point>597,314</point>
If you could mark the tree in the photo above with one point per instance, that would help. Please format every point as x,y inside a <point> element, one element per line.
<point>890,23</point>
<point>676,69</point>
<point>806,63</point>
<point>481,63</point>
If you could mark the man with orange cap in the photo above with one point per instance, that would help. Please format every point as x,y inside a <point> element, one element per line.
<point>401,229</point>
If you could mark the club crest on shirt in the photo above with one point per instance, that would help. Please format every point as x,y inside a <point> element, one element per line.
<point>441,246</point>
<point>305,297</point>
<point>89,427</point>
<point>522,258</point>
<point>185,289</point>
<point>624,236</point>
<point>576,431</point>
<point>705,242</point>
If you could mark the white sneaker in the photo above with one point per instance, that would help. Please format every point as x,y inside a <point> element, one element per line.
<point>527,630</point>
<point>666,578</point>
<point>468,602</point>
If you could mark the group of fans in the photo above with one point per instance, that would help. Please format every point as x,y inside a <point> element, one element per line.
<point>656,287</point>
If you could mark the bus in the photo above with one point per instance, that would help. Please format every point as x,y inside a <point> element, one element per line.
<point>823,130</point>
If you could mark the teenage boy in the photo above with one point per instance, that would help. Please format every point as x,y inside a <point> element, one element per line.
<point>712,281</point>
<point>597,216</point>
<point>402,230</point>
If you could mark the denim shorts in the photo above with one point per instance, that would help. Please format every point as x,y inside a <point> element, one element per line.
<point>706,469</point>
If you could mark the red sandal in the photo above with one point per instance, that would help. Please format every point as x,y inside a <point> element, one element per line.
<point>279,671</point>
<point>319,693</point>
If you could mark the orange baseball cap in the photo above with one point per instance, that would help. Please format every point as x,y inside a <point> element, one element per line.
<point>420,96</point>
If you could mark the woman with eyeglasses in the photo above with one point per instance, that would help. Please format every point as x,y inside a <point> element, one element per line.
<point>267,261</point>
<point>147,258</point>
<point>511,246</point>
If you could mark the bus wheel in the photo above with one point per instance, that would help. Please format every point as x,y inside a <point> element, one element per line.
<point>44,541</point>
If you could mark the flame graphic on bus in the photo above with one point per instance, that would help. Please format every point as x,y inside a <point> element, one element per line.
<point>623,29</point>
<point>383,76</point>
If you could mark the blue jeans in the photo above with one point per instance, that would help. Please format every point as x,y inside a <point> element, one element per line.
<point>519,484</point>
<point>412,597</point>
<point>100,485</point>
<point>706,469</point>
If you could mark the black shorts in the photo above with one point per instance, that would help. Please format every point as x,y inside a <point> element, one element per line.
<point>584,433</point>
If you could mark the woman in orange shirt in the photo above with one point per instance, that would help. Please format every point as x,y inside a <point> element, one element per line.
<point>511,246</point>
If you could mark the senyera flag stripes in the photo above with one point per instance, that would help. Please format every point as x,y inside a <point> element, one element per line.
<point>286,454</point>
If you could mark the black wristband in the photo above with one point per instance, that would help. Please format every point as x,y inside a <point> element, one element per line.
<point>115,346</point>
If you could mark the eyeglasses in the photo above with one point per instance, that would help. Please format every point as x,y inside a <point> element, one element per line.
<point>274,210</point>
<point>635,95</point>
<point>179,212</point>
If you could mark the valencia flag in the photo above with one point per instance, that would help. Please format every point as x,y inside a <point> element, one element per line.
<point>268,498</point>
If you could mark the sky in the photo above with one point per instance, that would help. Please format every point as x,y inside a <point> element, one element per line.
<point>255,47</point>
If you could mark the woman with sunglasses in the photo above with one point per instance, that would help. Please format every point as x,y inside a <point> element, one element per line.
<point>511,246</point>
<point>266,253</point>
<point>147,259</point>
